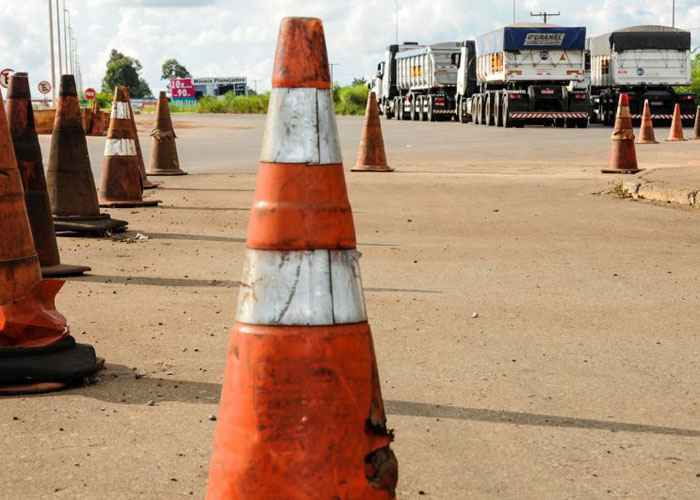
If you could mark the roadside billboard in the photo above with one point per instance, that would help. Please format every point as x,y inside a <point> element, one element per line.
<point>182,88</point>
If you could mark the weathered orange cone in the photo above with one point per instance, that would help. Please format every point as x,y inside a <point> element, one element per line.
<point>139,154</point>
<point>696,127</point>
<point>36,352</point>
<point>646,131</point>
<point>623,155</point>
<point>70,181</point>
<point>121,183</point>
<point>164,158</point>
<point>371,156</point>
<point>96,123</point>
<point>301,413</point>
<point>676,132</point>
<point>31,168</point>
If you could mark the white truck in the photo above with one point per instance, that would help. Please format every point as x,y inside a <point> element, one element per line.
<point>384,83</point>
<point>646,62</point>
<point>530,74</point>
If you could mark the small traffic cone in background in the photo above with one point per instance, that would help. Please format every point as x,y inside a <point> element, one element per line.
<point>36,352</point>
<point>139,154</point>
<point>121,183</point>
<point>31,168</point>
<point>164,158</point>
<point>371,157</point>
<point>301,413</point>
<point>96,123</point>
<point>696,128</point>
<point>676,132</point>
<point>646,131</point>
<point>623,156</point>
<point>70,181</point>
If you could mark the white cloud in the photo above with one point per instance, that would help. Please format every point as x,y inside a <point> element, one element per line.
<point>237,37</point>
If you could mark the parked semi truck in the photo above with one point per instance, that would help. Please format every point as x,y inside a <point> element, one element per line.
<point>530,74</point>
<point>646,62</point>
<point>384,83</point>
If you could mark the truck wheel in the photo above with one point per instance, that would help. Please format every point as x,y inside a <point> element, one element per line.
<point>488,110</point>
<point>387,111</point>
<point>583,123</point>
<point>398,108</point>
<point>431,115</point>
<point>419,111</point>
<point>507,122</point>
<point>413,113</point>
<point>497,113</point>
<point>478,117</point>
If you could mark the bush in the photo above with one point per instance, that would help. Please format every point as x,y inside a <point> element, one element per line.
<point>231,103</point>
<point>350,100</point>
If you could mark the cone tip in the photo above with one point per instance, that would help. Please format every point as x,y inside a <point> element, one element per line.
<point>68,88</point>
<point>19,86</point>
<point>624,100</point>
<point>301,60</point>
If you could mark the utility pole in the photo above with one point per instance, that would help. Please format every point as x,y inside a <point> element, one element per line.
<point>332,65</point>
<point>513,11</point>
<point>396,10</point>
<point>66,28</point>
<point>58,37</point>
<point>545,15</point>
<point>53,54</point>
<point>673,15</point>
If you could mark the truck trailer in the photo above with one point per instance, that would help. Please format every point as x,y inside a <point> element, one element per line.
<point>384,83</point>
<point>530,74</point>
<point>426,82</point>
<point>646,62</point>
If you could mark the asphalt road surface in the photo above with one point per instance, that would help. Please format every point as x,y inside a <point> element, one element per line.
<point>577,380</point>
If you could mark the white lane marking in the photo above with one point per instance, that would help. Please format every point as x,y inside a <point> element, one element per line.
<point>301,128</point>
<point>312,287</point>
<point>120,147</point>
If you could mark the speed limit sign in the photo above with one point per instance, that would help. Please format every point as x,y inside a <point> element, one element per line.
<point>44,87</point>
<point>5,75</point>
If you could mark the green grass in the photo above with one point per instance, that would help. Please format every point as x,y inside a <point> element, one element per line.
<point>350,100</point>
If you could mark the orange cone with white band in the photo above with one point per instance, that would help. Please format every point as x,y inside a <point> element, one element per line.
<point>121,182</point>
<point>676,132</point>
<point>147,184</point>
<point>646,131</point>
<point>37,354</point>
<point>623,155</point>
<point>301,413</point>
<point>371,156</point>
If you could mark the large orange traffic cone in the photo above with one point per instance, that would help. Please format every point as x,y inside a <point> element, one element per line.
<point>164,158</point>
<point>623,155</point>
<point>36,352</point>
<point>70,181</point>
<point>371,156</point>
<point>696,127</point>
<point>301,413</point>
<point>147,184</point>
<point>121,183</point>
<point>646,131</point>
<point>31,168</point>
<point>676,132</point>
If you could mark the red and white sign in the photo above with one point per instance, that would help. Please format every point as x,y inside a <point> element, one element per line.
<point>44,87</point>
<point>90,94</point>
<point>5,75</point>
<point>182,88</point>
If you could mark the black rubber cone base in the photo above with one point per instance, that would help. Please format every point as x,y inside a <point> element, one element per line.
<point>618,171</point>
<point>129,204</point>
<point>61,365</point>
<point>92,226</point>
<point>63,270</point>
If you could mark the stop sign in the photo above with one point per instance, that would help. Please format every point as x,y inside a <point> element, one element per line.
<point>90,94</point>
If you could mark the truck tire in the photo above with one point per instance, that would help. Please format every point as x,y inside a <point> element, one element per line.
<point>583,123</point>
<point>461,112</point>
<point>498,110</point>
<point>477,110</point>
<point>420,112</point>
<point>398,108</point>
<point>413,113</point>
<point>431,115</point>
<point>488,109</point>
<point>505,114</point>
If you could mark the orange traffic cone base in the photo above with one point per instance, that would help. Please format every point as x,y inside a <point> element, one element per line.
<point>63,270</point>
<point>150,185</point>
<point>166,172</point>
<point>621,171</point>
<point>99,225</point>
<point>371,168</point>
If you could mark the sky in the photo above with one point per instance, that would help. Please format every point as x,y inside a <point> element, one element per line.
<point>237,38</point>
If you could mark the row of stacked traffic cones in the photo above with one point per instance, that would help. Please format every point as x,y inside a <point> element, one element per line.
<point>623,154</point>
<point>301,412</point>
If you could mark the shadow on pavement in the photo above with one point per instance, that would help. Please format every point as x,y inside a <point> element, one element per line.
<point>217,190</point>
<point>119,386</point>
<point>193,237</point>
<point>189,282</point>
<point>212,209</point>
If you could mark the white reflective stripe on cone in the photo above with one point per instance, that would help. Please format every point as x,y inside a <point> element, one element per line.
<point>313,287</point>
<point>120,147</point>
<point>301,128</point>
<point>120,111</point>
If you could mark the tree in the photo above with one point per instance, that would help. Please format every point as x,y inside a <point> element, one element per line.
<point>359,81</point>
<point>124,70</point>
<point>173,69</point>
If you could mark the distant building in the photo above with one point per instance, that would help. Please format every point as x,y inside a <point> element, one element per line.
<point>218,86</point>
